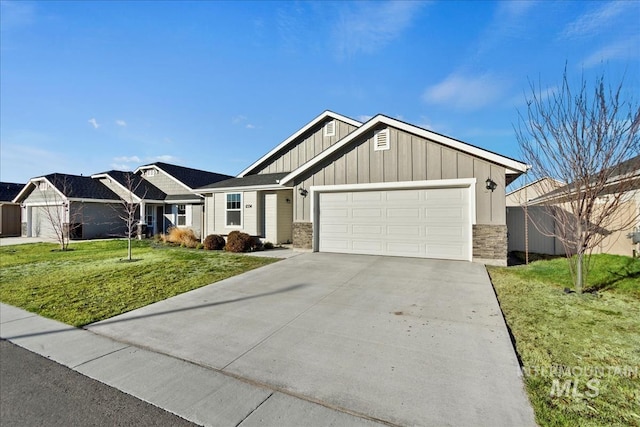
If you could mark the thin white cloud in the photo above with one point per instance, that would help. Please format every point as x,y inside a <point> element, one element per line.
<point>119,166</point>
<point>238,119</point>
<point>167,158</point>
<point>364,118</point>
<point>250,126</point>
<point>121,123</point>
<point>622,49</point>
<point>16,14</point>
<point>465,93</point>
<point>93,122</point>
<point>368,27</point>
<point>127,159</point>
<point>596,21</point>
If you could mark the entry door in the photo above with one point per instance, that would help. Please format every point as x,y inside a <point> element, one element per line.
<point>425,223</point>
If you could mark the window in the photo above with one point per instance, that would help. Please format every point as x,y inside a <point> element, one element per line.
<point>149,214</point>
<point>330,128</point>
<point>43,185</point>
<point>182,215</point>
<point>150,172</point>
<point>234,210</point>
<point>381,140</point>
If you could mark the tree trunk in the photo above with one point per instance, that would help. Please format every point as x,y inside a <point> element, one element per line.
<point>579,276</point>
<point>129,247</point>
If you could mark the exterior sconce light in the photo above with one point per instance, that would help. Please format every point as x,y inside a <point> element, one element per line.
<point>303,192</point>
<point>288,201</point>
<point>491,185</point>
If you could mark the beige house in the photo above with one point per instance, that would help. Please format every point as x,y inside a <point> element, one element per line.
<point>384,187</point>
<point>530,228</point>
<point>9,212</point>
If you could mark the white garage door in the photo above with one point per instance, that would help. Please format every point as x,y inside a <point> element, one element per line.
<point>42,217</point>
<point>425,223</point>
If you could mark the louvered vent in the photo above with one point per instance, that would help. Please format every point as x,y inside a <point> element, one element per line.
<point>381,140</point>
<point>330,128</point>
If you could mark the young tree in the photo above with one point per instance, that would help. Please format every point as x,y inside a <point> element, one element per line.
<point>130,207</point>
<point>63,218</point>
<point>586,136</point>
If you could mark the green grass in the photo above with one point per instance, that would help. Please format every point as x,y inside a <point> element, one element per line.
<point>595,333</point>
<point>93,281</point>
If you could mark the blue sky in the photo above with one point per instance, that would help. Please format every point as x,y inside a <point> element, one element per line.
<point>91,86</point>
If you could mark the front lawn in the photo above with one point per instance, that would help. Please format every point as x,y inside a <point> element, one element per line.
<point>93,281</point>
<point>580,353</point>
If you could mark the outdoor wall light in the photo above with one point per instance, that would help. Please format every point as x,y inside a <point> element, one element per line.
<point>303,192</point>
<point>491,185</point>
<point>288,201</point>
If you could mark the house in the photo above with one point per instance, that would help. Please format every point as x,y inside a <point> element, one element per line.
<point>614,235</point>
<point>9,211</point>
<point>62,203</point>
<point>522,195</point>
<point>384,187</point>
<point>92,207</point>
<point>181,206</point>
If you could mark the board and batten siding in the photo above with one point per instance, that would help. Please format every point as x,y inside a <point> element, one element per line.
<point>409,158</point>
<point>307,147</point>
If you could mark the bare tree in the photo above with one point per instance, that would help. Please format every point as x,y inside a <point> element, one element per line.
<point>130,207</point>
<point>63,218</point>
<point>587,137</point>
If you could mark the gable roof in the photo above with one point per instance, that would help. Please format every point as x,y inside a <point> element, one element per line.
<point>513,167</point>
<point>189,177</point>
<point>9,191</point>
<point>71,187</point>
<point>628,170</point>
<point>537,181</point>
<point>266,180</point>
<point>323,116</point>
<point>142,188</point>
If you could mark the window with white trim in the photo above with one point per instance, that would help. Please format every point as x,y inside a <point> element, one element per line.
<point>381,140</point>
<point>330,128</point>
<point>182,215</point>
<point>234,210</point>
<point>150,172</point>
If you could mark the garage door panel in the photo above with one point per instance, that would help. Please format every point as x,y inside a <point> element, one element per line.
<point>367,230</point>
<point>430,223</point>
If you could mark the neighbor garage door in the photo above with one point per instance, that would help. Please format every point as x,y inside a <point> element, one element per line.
<point>425,223</point>
<point>42,217</point>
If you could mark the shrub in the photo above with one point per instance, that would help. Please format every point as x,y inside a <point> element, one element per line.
<point>238,242</point>
<point>268,245</point>
<point>256,244</point>
<point>184,237</point>
<point>214,242</point>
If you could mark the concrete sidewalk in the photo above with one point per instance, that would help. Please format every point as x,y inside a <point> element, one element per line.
<point>201,395</point>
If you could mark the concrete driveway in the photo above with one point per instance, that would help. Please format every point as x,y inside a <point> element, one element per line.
<point>399,340</point>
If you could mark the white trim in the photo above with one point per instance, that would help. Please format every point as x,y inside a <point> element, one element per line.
<point>308,126</point>
<point>512,166</point>
<point>226,223</point>
<point>113,180</point>
<point>34,181</point>
<point>202,191</point>
<point>143,168</point>
<point>468,183</point>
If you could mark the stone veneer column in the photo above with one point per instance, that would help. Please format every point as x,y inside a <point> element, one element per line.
<point>490,244</point>
<point>303,235</point>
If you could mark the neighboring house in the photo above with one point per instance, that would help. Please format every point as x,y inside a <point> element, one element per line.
<point>384,187</point>
<point>525,236</point>
<point>79,205</point>
<point>92,207</point>
<point>614,242</point>
<point>9,211</point>
<point>180,207</point>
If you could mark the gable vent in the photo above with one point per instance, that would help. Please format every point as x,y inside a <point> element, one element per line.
<point>330,128</point>
<point>381,140</point>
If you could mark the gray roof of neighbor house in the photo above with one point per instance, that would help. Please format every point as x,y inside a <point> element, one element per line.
<point>140,186</point>
<point>248,181</point>
<point>80,187</point>
<point>192,178</point>
<point>9,191</point>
